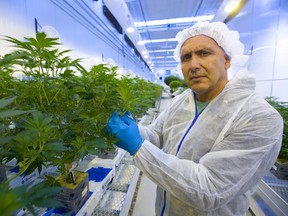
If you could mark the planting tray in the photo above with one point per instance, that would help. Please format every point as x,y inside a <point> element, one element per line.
<point>99,179</point>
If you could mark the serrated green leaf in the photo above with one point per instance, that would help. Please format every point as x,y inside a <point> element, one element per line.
<point>48,203</point>
<point>11,113</point>
<point>56,146</point>
<point>6,101</point>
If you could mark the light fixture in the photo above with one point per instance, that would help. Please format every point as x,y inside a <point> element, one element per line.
<point>141,42</point>
<point>159,40</point>
<point>162,50</point>
<point>231,6</point>
<point>130,29</point>
<point>174,21</point>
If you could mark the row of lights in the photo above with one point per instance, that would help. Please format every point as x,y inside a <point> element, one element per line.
<point>230,6</point>
<point>145,53</point>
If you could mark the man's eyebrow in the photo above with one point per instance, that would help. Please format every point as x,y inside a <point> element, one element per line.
<point>185,52</point>
<point>204,48</point>
<point>200,49</point>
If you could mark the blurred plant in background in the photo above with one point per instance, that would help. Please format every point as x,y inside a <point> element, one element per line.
<point>282,108</point>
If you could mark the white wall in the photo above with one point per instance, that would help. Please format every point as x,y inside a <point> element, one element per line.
<point>263,28</point>
<point>85,30</point>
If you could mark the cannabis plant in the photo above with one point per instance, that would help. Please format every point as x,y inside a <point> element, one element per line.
<point>137,95</point>
<point>47,87</point>
<point>69,108</point>
<point>74,104</point>
<point>6,116</point>
<point>12,199</point>
<point>27,197</point>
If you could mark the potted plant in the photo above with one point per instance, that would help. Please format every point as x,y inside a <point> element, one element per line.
<point>175,83</point>
<point>281,166</point>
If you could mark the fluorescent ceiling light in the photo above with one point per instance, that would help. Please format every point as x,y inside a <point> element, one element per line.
<point>164,50</point>
<point>161,57</point>
<point>158,40</point>
<point>166,62</point>
<point>174,21</point>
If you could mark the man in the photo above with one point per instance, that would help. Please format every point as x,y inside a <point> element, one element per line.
<point>208,150</point>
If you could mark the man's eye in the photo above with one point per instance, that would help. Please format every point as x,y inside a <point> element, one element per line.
<point>185,57</point>
<point>203,53</point>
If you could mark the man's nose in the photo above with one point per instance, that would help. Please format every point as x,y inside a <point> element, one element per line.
<point>194,62</point>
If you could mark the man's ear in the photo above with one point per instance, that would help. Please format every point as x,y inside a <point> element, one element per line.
<point>227,62</point>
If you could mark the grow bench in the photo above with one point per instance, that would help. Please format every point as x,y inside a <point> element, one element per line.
<point>112,183</point>
<point>12,169</point>
<point>271,197</point>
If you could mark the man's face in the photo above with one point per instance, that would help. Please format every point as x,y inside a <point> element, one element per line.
<point>204,67</point>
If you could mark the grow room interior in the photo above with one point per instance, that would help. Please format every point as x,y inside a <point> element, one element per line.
<point>76,61</point>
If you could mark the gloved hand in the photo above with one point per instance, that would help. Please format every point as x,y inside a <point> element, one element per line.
<point>126,131</point>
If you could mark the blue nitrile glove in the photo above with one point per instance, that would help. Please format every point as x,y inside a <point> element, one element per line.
<point>128,114</point>
<point>126,131</point>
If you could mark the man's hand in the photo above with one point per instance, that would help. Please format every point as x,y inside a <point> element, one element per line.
<point>126,131</point>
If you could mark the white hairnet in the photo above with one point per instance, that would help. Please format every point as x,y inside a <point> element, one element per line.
<point>225,38</point>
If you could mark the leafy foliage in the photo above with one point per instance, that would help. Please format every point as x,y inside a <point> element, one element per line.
<point>12,199</point>
<point>282,108</point>
<point>174,85</point>
<point>39,194</point>
<point>171,78</point>
<point>67,107</point>
<point>137,95</point>
<point>5,116</point>
<point>73,110</point>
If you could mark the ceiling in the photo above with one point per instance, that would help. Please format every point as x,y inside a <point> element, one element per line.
<point>161,53</point>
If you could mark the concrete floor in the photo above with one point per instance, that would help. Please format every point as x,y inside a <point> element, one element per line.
<point>146,194</point>
<point>145,201</point>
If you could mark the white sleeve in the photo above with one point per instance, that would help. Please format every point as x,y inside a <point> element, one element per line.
<point>153,132</point>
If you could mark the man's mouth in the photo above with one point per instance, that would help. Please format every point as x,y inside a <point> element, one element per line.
<point>196,78</point>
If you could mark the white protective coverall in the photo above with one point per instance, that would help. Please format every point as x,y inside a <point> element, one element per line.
<point>223,152</point>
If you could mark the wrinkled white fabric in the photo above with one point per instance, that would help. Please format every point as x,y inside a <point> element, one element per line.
<point>208,178</point>
<point>218,31</point>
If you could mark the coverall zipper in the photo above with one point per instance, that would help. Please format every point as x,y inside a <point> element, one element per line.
<point>180,144</point>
